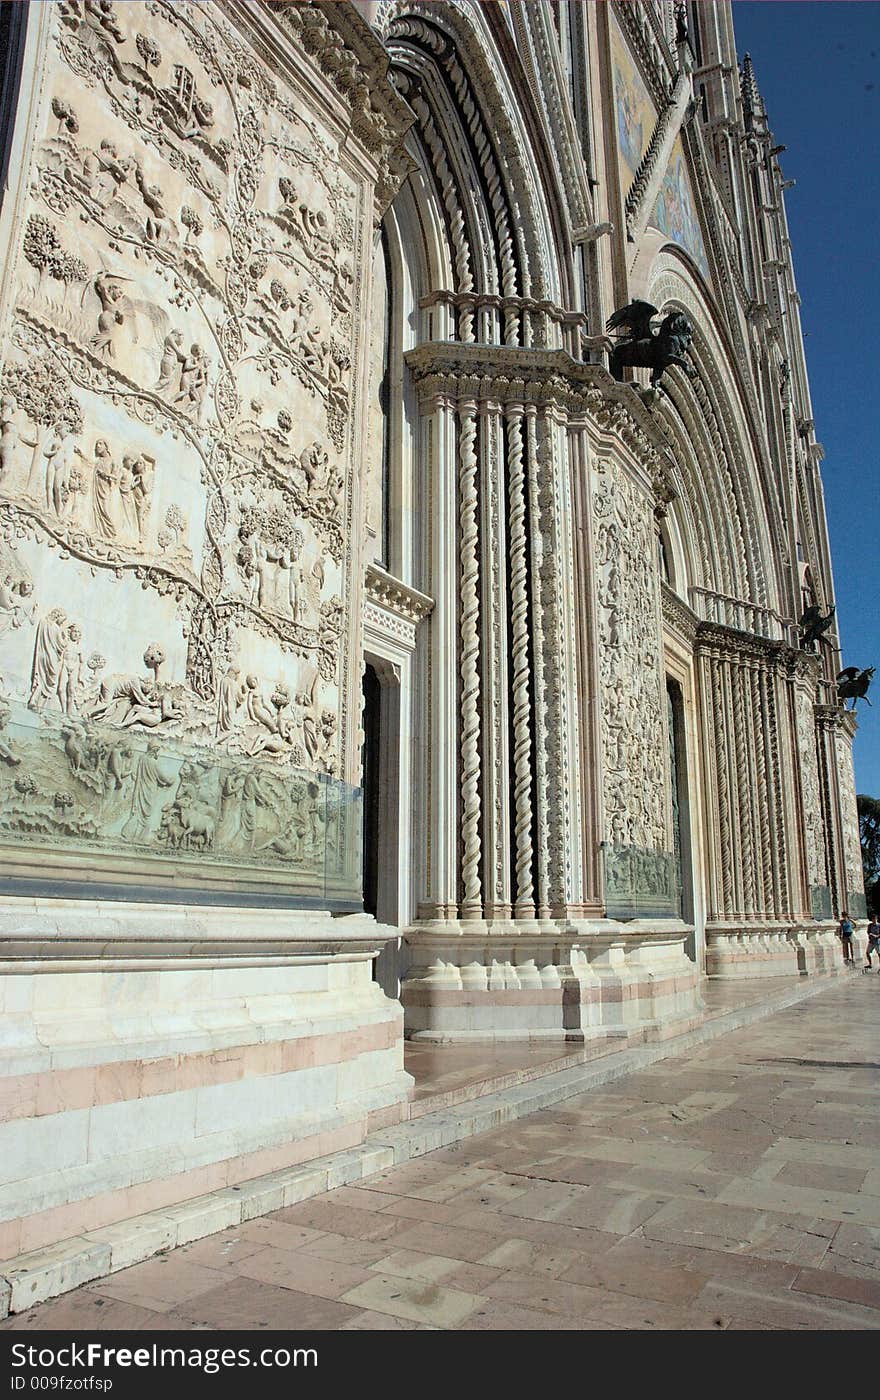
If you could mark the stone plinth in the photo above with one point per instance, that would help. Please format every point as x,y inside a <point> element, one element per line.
<point>775,950</point>
<point>152,1053</point>
<point>546,981</point>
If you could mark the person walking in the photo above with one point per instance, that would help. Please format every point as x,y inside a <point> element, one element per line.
<point>845,931</point>
<point>873,942</point>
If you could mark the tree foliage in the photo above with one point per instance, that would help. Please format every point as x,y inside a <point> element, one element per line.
<point>869,836</point>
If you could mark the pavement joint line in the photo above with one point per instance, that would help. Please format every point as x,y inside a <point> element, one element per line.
<point>59,1268</point>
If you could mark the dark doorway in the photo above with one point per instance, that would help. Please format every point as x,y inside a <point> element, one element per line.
<point>370,766</point>
<point>681,814</point>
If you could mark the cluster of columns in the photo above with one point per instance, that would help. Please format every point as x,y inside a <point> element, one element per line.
<point>768,777</point>
<point>501,762</point>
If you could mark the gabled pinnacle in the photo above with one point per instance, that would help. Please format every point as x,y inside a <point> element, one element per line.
<point>753,107</point>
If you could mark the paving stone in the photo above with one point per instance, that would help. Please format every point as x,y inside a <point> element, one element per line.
<point>415,1299</point>
<point>307,1273</point>
<point>159,1284</point>
<point>732,1188</point>
<point>253,1305</point>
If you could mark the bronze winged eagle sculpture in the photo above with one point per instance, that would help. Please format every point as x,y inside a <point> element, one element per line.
<point>642,347</point>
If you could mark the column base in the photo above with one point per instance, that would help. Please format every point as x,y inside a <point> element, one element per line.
<point>735,951</point>
<point>543,980</point>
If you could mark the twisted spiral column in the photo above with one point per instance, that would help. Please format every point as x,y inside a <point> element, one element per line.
<point>724,815</point>
<point>740,741</point>
<point>522,739</point>
<point>772,794</point>
<point>776,780</point>
<point>536,541</point>
<point>472,903</point>
<point>762,796</point>
<point>449,193</point>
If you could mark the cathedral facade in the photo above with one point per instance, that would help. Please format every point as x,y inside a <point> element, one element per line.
<point>376,662</point>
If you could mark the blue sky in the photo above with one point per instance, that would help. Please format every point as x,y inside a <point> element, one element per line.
<point>817,63</point>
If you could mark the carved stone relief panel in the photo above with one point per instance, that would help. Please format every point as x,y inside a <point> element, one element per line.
<point>814,827</point>
<point>635,748</point>
<point>852,850</point>
<point>178,402</point>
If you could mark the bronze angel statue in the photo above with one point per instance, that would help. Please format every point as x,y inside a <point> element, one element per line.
<point>641,346</point>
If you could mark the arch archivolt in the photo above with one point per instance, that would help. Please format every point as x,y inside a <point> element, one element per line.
<point>472,128</point>
<point>706,421</point>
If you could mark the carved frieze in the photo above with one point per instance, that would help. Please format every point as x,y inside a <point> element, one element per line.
<point>178,400</point>
<point>814,826</point>
<point>634,741</point>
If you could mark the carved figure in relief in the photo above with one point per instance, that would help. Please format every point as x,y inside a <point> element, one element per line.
<point>72,670</point>
<point>49,652</point>
<point>171,366</point>
<point>253,798</point>
<point>189,821</point>
<point>144,470</point>
<point>129,700</point>
<point>58,453</point>
<point>109,293</point>
<point>129,532</point>
<point>13,611</point>
<point>41,392</point>
<point>254,563</point>
<point>256,709</point>
<point>148,783</point>
<point>100,13</point>
<point>308,719</point>
<point>105,491</point>
<point>8,431</point>
<point>230,796</point>
<point>278,729</point>
<point>119,764</point>
<point>193,382</point>
<point>159,227</point>
<point>7,753</point>
<point>230,697</point>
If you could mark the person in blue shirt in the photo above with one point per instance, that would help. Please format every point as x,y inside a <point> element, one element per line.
<point>845,931</point>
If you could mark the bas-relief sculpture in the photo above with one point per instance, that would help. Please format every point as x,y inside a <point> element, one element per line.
<point>639,867</point>
<point>175,446</point>
<point>852,848</point>
<point>814,827</point>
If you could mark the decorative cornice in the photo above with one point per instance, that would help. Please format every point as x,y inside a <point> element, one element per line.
<point>397,597</point>
<point>730,644</point>
<point>677,615</point>
<point>343,45</point>
<point>545,379</point>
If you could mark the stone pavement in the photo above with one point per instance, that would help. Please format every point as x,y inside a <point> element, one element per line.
<point>736,1187</point>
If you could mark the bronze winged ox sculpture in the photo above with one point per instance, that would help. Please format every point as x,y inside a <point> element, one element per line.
<point>642,347</point>
<point>853,684</point>
<point>814,626</point>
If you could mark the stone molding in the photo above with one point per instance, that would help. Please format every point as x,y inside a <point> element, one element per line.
<point>450,371</point>
<point>56,933</point>
<point>395,596</point>
<point>677,615</point>
<point>344,47</point>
